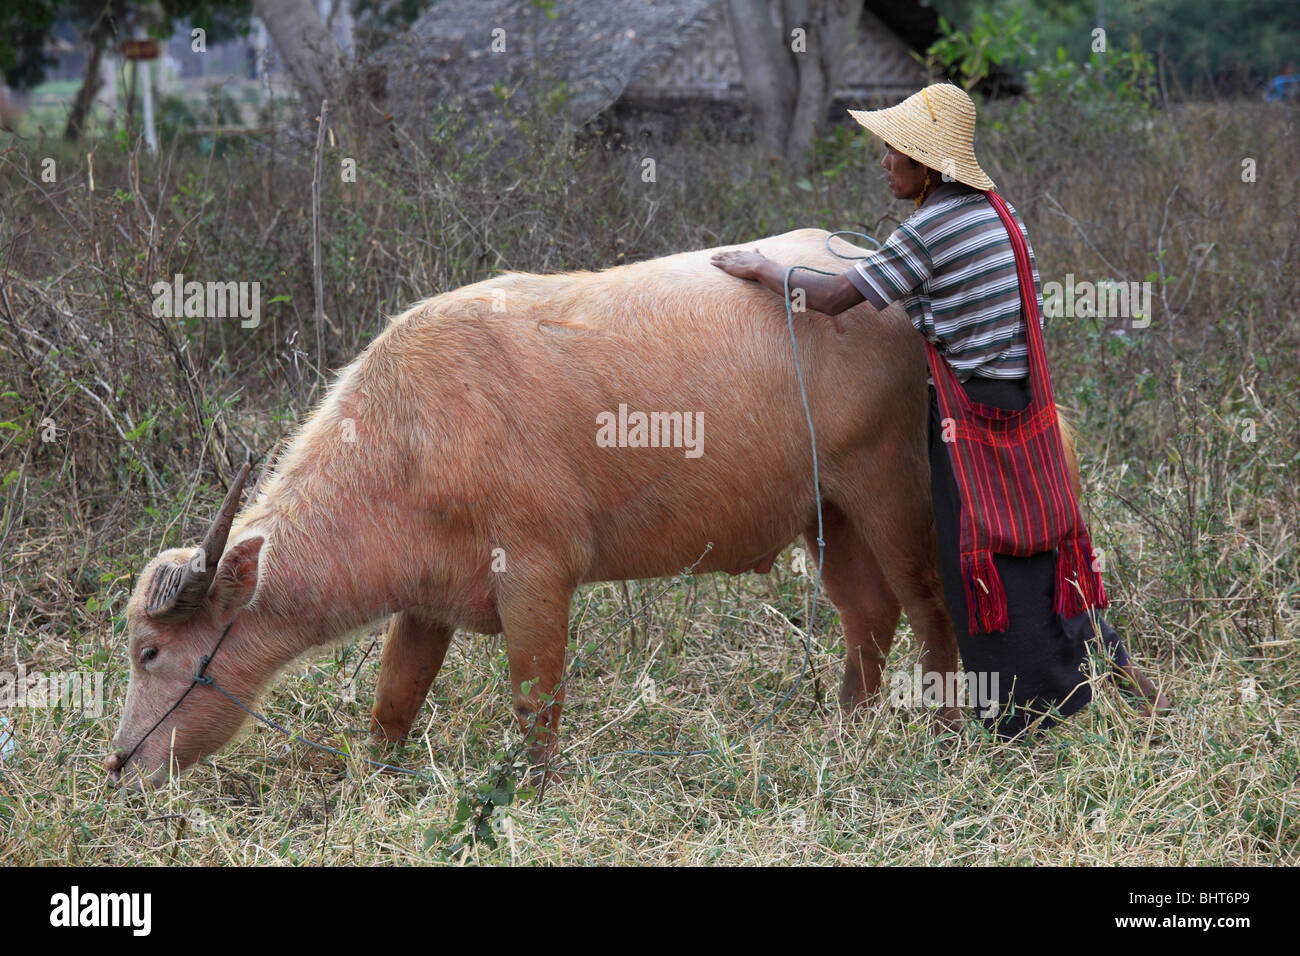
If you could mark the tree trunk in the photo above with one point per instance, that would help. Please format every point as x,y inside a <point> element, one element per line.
<point>314,61</point>
<point>90,87</point>
<point>829,26</point>
<point>789,87</point>
<point>768,72</point>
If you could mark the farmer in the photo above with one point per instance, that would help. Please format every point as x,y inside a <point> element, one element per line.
<point>953,264</point>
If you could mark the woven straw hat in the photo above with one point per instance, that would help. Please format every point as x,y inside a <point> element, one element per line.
<point>935,127</point>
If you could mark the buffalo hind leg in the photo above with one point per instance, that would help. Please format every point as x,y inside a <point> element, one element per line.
<point>414,648</point>
<point>897,521</point>
<point>868,609</point>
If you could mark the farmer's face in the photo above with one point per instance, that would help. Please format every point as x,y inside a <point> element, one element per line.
<point>906,178</point>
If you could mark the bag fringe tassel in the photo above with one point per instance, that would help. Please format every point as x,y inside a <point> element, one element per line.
<point>1078,585</point>
<point>986,600</point>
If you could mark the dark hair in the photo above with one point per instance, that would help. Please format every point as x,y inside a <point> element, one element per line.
<point>914,162</point>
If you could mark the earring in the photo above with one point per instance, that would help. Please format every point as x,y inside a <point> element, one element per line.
<point>925,189</point>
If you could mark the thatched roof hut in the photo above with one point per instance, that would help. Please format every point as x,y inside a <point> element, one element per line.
<point>620,59</point>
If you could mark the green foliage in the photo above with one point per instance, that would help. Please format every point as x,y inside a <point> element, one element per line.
<point>1115,84</point>
<point>481,812</point>
<point>26,25</point>
<point>222,19</point>
<point>994,38</point>
<point>1206,46</point>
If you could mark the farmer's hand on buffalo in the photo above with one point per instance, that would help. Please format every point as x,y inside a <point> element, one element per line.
<point>737,262</point>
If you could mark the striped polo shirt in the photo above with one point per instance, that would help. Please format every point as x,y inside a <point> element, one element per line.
<point>952,266</point>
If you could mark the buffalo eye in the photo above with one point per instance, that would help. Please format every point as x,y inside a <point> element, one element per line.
<point>148,654</point>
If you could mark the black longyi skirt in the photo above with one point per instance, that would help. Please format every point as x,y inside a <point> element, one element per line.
<point>1036,664</point>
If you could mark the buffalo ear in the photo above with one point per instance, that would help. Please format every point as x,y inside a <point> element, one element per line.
<point>236,579</point>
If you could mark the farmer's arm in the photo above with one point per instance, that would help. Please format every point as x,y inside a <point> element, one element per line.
<point>829,295</point>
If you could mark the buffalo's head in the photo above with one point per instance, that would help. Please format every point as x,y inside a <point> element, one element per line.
<point>185,601</point>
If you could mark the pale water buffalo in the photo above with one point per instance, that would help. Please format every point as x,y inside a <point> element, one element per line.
<point>481,459</point>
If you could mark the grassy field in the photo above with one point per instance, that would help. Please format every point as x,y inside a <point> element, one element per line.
<point>111,420</point>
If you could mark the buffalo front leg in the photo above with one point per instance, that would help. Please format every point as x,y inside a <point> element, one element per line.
<point>414,648</point>
<point>868,609</point>
<point>537,634</point>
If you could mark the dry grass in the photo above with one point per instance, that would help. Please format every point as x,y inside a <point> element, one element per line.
<point>1199,524</point>
<point>1213,785</point>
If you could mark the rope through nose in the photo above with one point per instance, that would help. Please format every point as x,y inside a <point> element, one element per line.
<point>199,678</point>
